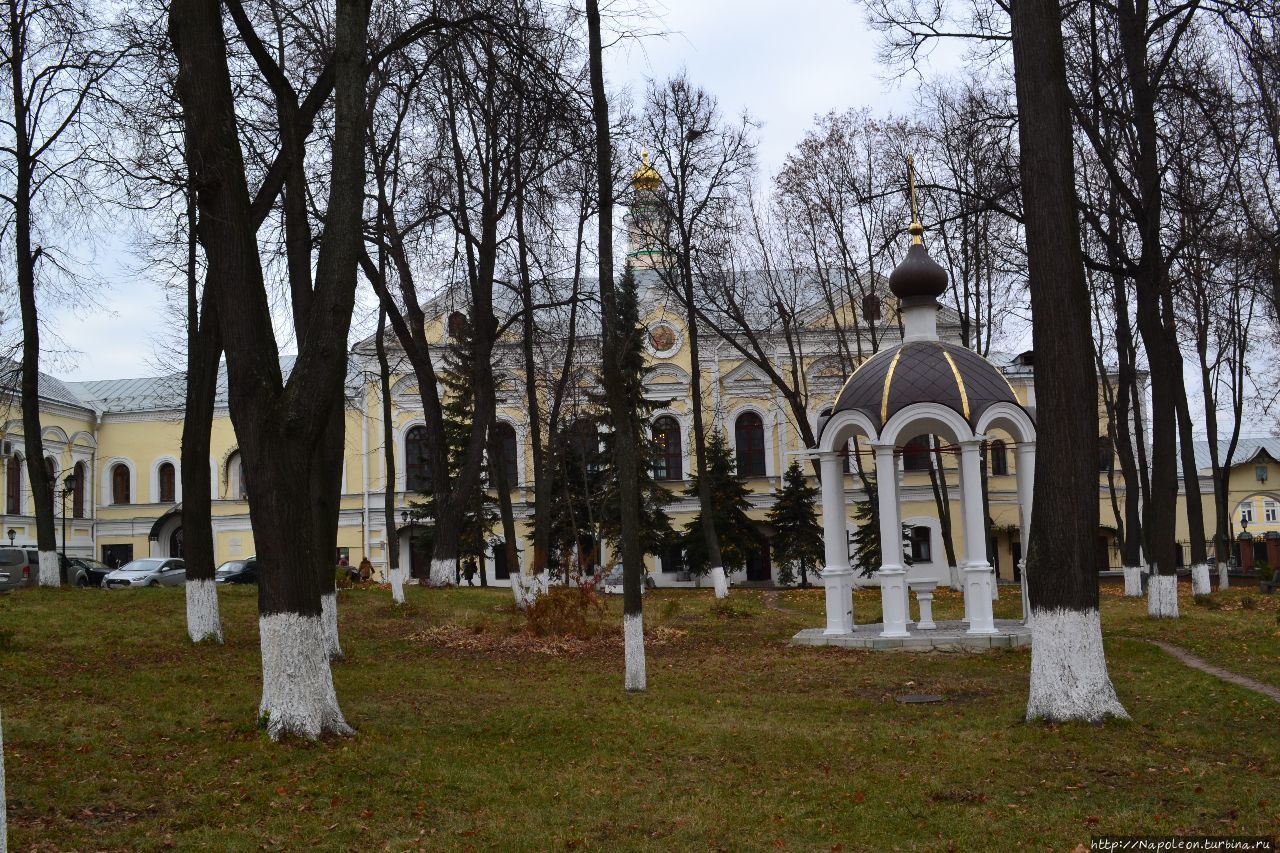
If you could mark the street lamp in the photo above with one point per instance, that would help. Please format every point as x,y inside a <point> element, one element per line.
<point>68,487</point>
<point>12,533</point>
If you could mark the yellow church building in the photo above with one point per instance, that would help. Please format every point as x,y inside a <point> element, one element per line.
<point>121,437</point>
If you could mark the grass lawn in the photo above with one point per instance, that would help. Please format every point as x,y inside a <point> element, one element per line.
<point>473,734</point>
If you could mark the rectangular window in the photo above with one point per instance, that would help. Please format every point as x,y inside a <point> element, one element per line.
<point>1270,512</point>
<point>1246,512</point>
<point>915,454</point>
<point>1260,471</point>
<point>921,545</point>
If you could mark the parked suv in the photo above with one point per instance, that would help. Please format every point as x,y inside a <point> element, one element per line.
<point>18,567</point>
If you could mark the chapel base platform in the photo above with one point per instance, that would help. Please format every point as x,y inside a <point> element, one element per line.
<point>947,637</point>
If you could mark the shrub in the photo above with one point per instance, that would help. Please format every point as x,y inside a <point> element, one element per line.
<point>572,611</point>
<point>1264,570</point>
<point>1208,601</point>
<point>342,577</point>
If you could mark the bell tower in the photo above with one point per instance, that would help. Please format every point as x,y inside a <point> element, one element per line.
<point>645,220</point>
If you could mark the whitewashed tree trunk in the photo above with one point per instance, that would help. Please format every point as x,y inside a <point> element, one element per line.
<point>720,581</point>
<point>49,573</point>
<point>633,651</point>
<point>953,573</point>
<point>1200,583</point>
<point>1162,597</point>
<point>1069,679</point>
<point>4,812</point>
<point>1223,581</point>
<point>442,573</point>
<point>397,585</point>
<point>329,620</point>
<point>297,684</point>
<point>1133,581</point>
<point>203,621</point>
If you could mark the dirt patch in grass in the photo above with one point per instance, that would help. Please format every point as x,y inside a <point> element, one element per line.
<point>475,640</point>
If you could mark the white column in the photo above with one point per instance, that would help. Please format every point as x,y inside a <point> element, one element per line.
<point>977,571</point>
<point>836,576</point>
<point>893,577</point>
<point>1025,460</point>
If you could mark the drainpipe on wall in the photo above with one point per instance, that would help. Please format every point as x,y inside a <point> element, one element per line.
<point>92,492</point>
<point>364,474</point>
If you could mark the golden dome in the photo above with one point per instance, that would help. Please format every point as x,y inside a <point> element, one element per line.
<point>646,177</point>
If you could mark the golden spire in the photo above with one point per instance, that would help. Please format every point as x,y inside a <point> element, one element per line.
<point>915,229</point>
<point>646,177</point>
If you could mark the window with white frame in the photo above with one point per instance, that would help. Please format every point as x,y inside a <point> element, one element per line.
<point>1270,511</point>
<point>1246,512</point>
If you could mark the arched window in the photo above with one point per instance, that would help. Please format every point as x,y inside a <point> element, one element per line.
<point>120,483</point>
<point>77,494</point>
<point>584,445</point>
<point>667,461</point>
<point>237,485</point>
<point>921,545</point>
<point>167,485</point>
<point>13,486</point>
<point>748,433</point>
<point>1106,454</point>
<point>505,438</point>
<point>999,458</point>
<point>915,454</point>
<point>417,470</point>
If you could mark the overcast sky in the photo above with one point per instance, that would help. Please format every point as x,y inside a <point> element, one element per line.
<point>785,62</point>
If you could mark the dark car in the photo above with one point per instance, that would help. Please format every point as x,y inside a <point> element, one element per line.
<point>94,571</point>
<point>237,571</point>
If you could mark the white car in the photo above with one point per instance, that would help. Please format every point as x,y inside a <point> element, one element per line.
<point>151,571</point>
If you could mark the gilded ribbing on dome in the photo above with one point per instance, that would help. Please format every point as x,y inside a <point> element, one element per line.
<point>955,371</point>
<point>888,382</point>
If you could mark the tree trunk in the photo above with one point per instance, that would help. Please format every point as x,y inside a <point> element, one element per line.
<point>280,426</point>
<point>719,580</point>
<point>394,575</point>
<point>25,259</point>
<point>614,340</point>
<point>942,501</point>
<point>326,504</point>
<point>1069,677</point>
<point>204,349</point>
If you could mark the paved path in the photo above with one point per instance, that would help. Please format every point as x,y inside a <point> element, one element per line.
<point>1194,662</point>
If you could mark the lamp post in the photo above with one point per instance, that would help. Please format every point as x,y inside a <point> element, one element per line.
<point>12,534</point>
<point>68,488</point>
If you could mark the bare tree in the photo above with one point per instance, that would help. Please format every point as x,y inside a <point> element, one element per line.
<point>614,345</point>
<point>281,423</point>
<point>56,62</point>
<point>704,163</point>
<point>1069,677</point>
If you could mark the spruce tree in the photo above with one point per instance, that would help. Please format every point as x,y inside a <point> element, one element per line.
<point>797,541</point>
<point>655,525</point>
<point>738,533</point>
<point>458,410</point>
<point>866,537</point>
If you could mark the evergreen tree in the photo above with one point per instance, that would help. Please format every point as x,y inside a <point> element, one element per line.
<point>797,541</point>
<point>738,533</point>
<point>575,487</point>
<point>655,524</point>
<point>459,410</point>
<point>866,536</point>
